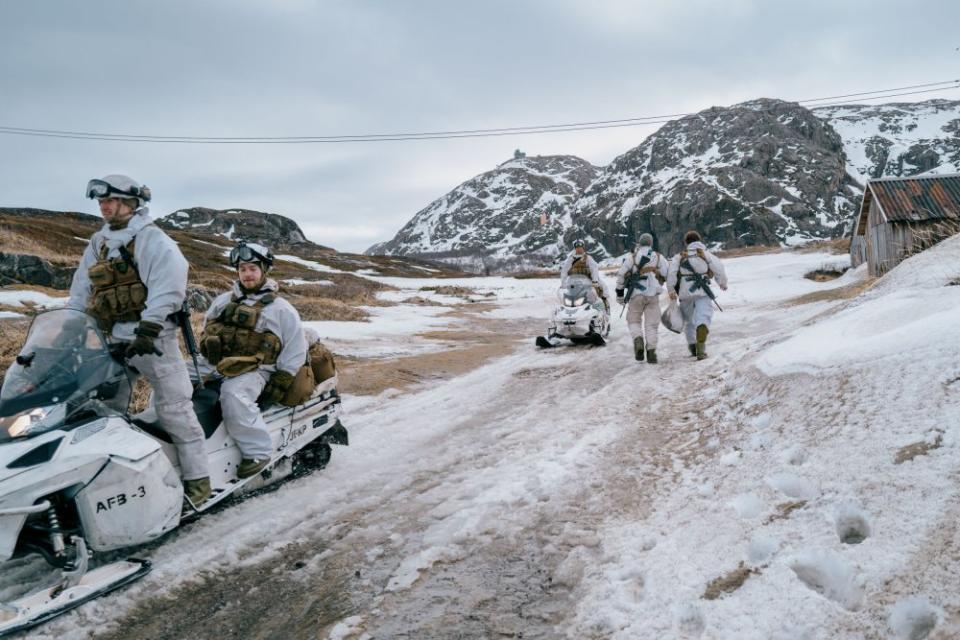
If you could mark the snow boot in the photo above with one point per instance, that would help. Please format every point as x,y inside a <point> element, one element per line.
<point>248,467</point>
<point>702,331</point>
<point>638,348</point>
<point>652,356</point>
<point>197,491</point>
<point>693,349</point>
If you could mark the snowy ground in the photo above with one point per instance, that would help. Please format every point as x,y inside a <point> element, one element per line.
<point>800,483</point>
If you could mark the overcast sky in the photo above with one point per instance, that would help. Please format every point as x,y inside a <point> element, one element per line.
<point>295,68</point>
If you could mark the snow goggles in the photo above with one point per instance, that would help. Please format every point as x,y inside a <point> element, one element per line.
<point>97,189</point>
<point>250,253</point>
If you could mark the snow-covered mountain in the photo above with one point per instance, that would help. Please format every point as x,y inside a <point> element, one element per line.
<point>898,139</point>
<point>519,210</point>
<point>761,172</point>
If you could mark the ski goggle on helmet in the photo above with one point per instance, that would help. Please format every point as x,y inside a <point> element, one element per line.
<point>578,244</point>
<point>251,252</point>
<point>117,187</point>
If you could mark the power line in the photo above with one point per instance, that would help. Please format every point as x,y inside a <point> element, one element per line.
<point>466,133</point>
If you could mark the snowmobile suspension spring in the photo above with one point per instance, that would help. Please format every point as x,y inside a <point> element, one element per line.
<point>56,533</point>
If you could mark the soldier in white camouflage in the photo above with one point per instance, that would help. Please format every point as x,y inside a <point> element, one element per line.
<point>689,279</point>
<point>641,277</point>
<point>132,278</point>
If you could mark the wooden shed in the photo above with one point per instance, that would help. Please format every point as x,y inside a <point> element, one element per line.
<point>902,216</point>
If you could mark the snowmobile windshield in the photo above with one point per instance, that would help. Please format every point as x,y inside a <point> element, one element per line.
<point>576,292</point>
<point>64,367</point>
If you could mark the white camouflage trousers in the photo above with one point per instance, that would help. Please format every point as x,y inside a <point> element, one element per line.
<point>242,417</point>
<point>695,311</point>
<point>643,319</point>
<point>172,391</point>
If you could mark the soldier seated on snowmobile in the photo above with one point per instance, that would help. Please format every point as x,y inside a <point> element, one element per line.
<point>256,341</point>
<point>579,264</point>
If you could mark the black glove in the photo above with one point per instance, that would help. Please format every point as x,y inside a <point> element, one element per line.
<point>276,387</point>
<point>142,345</point>
<point>619,295</point>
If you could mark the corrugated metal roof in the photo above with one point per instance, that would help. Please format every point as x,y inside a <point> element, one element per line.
<point>918,198</point>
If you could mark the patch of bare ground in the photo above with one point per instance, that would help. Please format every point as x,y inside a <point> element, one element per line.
<point>729,582</point>
<point>785,509</point>
<point>211,607</point>
<point>535,275</point>
<point>837,246</point>
<point>457,291</point>
<point>466,350</point>
<point>739,252</point>
<point>830,295</point>
<point>824,275</point>
<point>916,449</point>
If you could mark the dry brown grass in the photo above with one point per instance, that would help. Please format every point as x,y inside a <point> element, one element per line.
<point>739,252</point>
<point>838,246</point>
<point>911,451</point>
<point>50,237</point>
<point>830,295</point>
<point>729,582</point>
<point>785,509</point>
<point>14,332</point>
<point>536,275</point>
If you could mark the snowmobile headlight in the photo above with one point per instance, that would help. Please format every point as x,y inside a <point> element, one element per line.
<point>579,301</point>
<point>568,302</point>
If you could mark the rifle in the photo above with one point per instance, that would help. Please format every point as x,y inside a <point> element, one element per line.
<point>700,281</point>
<point>634,282</point>
<point>182,318</point>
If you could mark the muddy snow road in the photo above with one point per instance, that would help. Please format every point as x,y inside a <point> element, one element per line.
<point>478,506</point>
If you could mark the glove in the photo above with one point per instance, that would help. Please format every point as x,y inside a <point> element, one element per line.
<point>276,387</point>
<point>619,296</point>
<point>143,345</point>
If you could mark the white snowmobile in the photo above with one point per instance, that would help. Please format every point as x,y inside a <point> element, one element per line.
<point>581,316</point>
<point>79,475</point>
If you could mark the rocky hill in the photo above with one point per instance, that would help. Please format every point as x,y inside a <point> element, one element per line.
<point>29,257</point>
<point>268,228</point>
<point>762,172</point>
<point>520,210</point>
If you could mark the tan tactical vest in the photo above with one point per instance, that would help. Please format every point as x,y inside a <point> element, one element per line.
<point>117,292</point>
<point>233,335</point>
<point>579,267</point>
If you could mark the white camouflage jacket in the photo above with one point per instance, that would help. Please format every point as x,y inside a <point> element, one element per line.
<point>279,318</point>
<point>161,266</point>
<point>652,286</point>
<point>712,263</point>
<point>591,264</point>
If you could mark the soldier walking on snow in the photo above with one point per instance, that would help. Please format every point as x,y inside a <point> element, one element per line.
<point>131,278</point>
<point>639,285</point>
<point>689,278</point>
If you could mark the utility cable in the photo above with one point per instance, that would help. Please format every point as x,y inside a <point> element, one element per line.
<point>467,133</point>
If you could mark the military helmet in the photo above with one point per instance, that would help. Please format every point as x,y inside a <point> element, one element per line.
<point>251,252</point>
<point>577,243</point>
<point>118,186</point>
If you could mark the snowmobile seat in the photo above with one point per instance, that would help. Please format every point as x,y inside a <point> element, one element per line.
<point>206,404</point>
